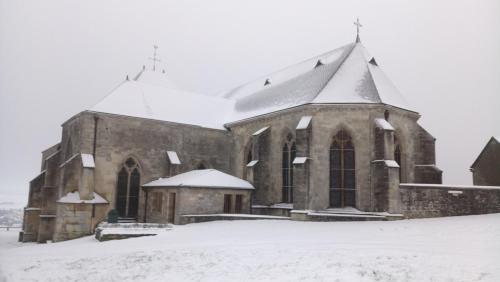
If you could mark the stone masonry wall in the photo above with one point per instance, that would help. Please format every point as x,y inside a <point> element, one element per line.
<point>76,220</point>
<point>120,137</point>
<point>191,200</point>
<point>432,200</point>
<point>327,120</point>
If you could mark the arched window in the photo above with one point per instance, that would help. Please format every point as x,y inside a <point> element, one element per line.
<point>288,155</point>
<point>342,171</point>
<point>128,184</point>
<point>397,157</point>
<point>248,158</point>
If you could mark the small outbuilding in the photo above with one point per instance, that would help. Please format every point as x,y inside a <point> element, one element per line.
<point>486,168</point>
<point>197,192</point>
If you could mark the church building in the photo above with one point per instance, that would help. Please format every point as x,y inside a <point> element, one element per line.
<point>329,133</point>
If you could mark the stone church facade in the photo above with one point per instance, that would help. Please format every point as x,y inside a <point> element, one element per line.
<point>326,134</point>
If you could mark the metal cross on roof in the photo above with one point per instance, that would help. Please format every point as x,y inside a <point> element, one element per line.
<point>154,59</point>
<point>358,25</point>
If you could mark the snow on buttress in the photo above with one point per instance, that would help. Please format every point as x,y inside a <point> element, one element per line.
<point>383,124</point>
<point>74,198</point>
<point>342,76</point>
<point>88,160</point>
<point>202,178</point>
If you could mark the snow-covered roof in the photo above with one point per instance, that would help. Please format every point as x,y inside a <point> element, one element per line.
<point>497,138</point>
<point>88,161</point>
<point>74,198</point>
<point>208,178</point>
<point>342,76</point>
<point>383,124</point>
<point>153,96</point>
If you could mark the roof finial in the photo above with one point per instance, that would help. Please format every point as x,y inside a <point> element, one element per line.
<point>154,59</point>
<point>358,25</point>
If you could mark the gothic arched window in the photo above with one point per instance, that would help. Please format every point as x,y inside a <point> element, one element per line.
<point>342,171</point>
<point>248,158</point>
<point>128,184</point>
<point>288,155</point>
<point>397,157</point>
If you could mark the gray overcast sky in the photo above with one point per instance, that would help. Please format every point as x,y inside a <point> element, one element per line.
<point>58,58</point>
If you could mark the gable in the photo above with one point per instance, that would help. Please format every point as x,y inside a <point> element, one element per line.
<point>492,144</point>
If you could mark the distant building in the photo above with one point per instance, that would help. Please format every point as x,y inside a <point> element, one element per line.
<point>486,168</point>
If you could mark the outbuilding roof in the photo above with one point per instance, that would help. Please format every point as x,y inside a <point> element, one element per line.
<point>206,178</point>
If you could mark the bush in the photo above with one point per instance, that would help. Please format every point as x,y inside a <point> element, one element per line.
<point>112,216</point>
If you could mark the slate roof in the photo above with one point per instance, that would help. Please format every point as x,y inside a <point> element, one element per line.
<point>346,75</point>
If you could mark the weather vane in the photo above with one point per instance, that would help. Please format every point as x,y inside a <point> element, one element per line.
<point>154,59</point>
<point>358,25</point>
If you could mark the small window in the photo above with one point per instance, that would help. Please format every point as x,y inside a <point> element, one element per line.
<point>227,203</point>
<point>238,204</point>
<point>373,62</point>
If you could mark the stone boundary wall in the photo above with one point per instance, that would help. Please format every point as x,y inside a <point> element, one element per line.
<point>435,200</point>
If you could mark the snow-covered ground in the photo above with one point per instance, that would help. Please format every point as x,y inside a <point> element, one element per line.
<point>441,249</point>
